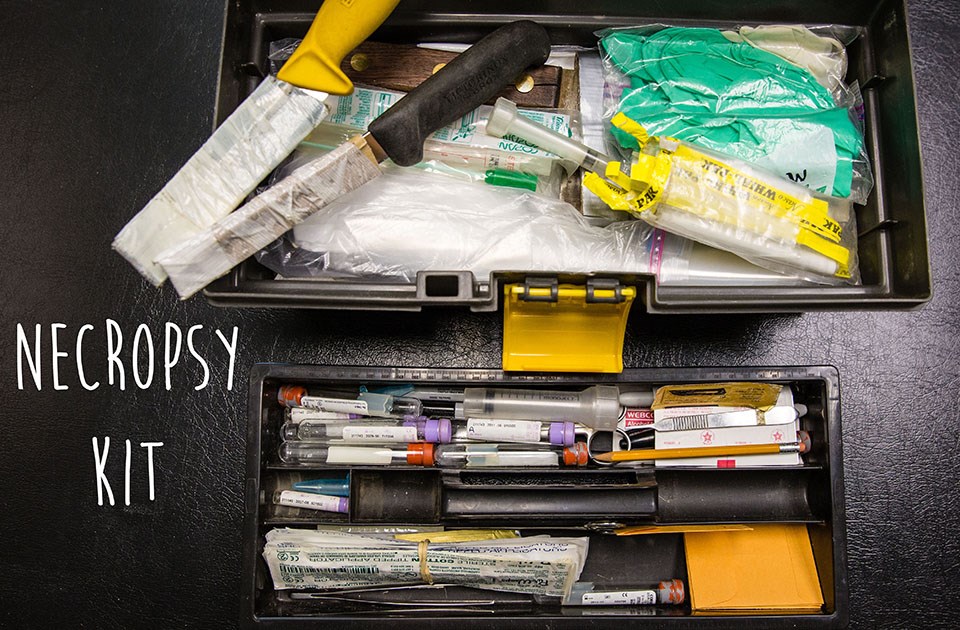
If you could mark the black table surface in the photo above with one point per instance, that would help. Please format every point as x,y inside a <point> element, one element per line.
<point>101,102</point>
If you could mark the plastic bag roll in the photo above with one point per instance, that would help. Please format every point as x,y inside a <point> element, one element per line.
<point>407,222</point>
<point>213,252</point>
<point>256,137</point>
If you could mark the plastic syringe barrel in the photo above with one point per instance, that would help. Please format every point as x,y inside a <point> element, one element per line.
<point>507,120</point>
<point>597,406</point>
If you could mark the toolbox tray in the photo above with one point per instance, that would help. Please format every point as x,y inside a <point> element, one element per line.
<point>811,493</point>
<point>892,243</point>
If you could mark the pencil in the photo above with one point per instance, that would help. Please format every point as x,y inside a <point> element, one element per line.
<point>680,529</point>
<point>700,451</point>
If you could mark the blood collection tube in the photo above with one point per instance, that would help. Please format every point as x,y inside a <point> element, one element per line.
<point>666,592</point>
<point>444,456</point>
<point>520,431</point>
<point>597,406</point>
<point>380,431</point>
<point>311,501</point>
<point>502,455</point>
<point>303,414</point>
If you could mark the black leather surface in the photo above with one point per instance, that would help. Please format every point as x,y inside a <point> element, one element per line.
<point>92,125</point>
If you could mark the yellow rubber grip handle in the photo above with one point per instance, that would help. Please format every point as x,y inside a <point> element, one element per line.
<point>340,26</point>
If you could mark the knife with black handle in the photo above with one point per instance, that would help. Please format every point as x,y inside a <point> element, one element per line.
<point>461,86</point>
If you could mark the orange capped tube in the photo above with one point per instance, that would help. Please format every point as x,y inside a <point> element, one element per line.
<point>442,456</point>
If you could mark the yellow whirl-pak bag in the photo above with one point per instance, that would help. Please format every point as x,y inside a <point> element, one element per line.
<point>725,203</point>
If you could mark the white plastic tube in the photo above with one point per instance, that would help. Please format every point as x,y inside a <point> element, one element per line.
<point>744,243</point>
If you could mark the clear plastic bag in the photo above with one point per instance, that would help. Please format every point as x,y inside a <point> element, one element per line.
<point>463,148</point>
<point>409,221</point>
<point>713,199</point>
<point>742,93</point>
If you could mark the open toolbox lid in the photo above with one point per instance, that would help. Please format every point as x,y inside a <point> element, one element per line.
<point>892,241</point>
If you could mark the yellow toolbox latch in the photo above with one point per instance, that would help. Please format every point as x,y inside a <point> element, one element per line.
<point>553,327</point>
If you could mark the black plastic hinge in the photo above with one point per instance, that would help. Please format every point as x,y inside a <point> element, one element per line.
<point>604,284</point>
<point>541,283</point>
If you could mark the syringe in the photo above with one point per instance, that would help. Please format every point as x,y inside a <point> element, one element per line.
<point>505,119</point>
<point>691,206</point>
<point>483,159</point>
<point>328,136</point>
<point>381,431</point>
<point>444,456</point>
<point>597,407</point>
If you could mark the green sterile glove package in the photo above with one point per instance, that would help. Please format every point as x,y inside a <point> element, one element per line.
<point>770,96</point>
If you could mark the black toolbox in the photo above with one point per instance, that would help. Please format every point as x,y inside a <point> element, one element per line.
<point>893,253</point>
<point>811,493</point>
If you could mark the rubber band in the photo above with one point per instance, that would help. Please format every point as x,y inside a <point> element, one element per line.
<point>422,556</point>
<point>616,433</point>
